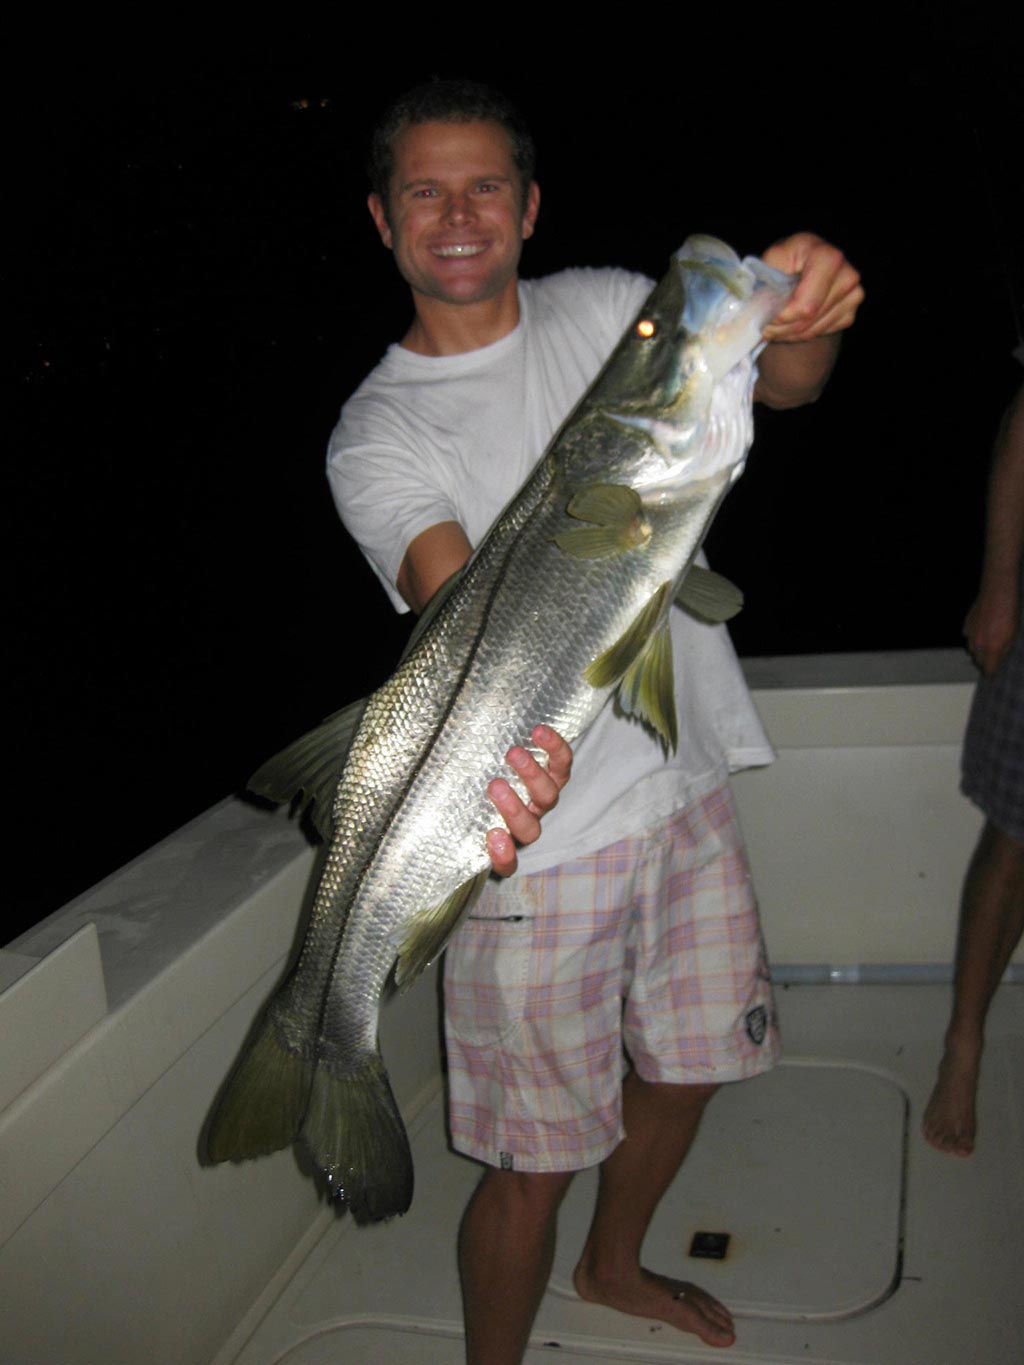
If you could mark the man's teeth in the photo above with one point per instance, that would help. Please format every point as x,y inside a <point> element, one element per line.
<point>459,249</point>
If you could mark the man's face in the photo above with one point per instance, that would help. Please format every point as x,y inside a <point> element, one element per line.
<point>457,217</point>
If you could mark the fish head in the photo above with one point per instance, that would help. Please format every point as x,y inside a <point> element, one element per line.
<point>687,357</point>
<point>727,302</point>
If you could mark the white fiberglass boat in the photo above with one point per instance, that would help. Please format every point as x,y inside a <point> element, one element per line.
<point>850,1239</point>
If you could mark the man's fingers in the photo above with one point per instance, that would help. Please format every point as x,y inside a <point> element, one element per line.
<point>558,751</point>
<point>828,295</point>
<point>837,316</point>
<point>523,823</point>
<point>502,848</point>
<point>542,783</point>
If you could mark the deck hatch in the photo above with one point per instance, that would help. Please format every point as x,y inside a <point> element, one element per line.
<point>805,1168</point>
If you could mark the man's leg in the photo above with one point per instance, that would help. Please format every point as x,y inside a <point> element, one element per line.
<point>699,1005</point>
<point>991,921</point>
<point>699,926</point>
<point>506,1246</point>
<point>661,1122</point>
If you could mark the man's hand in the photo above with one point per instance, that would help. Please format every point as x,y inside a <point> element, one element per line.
<point>804,338</point>
<point>828,295</point>
<point>543,786</point>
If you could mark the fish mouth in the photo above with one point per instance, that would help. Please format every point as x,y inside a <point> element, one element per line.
<point>458,250</point>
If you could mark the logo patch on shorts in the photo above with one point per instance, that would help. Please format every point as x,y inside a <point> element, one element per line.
<point>506,1160</point>
<point>757,1024</point>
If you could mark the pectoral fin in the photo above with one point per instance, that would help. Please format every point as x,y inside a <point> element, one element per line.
<point>312,766</point>
<point>426,934</point>
<point>708,595</point>
<point>618,523</point>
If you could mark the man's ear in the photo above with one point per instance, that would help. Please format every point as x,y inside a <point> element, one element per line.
<point>531,210</point>
<point>376,206</point>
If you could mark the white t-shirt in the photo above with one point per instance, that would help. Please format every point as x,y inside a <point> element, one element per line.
<point>427,439</point>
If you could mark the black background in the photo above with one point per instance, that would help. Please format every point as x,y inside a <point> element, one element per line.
<point>196,288</point>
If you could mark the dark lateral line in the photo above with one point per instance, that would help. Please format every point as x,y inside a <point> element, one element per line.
<point>418,767</point>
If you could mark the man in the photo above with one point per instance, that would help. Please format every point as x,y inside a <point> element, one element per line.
<point>427,452</point>
<point>992,905</point>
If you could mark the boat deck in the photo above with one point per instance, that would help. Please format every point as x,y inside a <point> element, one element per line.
<point>850,1239</point>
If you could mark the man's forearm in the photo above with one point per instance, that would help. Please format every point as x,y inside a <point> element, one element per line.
<point>793,373</point>
<point>1004,531</point>
<point>803,340</point>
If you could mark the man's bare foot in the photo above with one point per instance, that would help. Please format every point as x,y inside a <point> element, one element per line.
<point>949,1122</point>
<point>682,1305</point>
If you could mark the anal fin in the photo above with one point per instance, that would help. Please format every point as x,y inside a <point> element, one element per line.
<point>426,934</point>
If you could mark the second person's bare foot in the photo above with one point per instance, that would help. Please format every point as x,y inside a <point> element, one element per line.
<point>949,1122</point>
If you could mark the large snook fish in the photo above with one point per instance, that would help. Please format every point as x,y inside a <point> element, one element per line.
<point>563,604</point>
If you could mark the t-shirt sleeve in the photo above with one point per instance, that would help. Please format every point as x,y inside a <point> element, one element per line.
<point>596,305</point>
<point>383,494</point>
<point>621,298</point>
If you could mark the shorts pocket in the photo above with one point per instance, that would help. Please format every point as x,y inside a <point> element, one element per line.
<point>487,972</point>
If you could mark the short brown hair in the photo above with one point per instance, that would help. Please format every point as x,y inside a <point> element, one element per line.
<point>448,101</point>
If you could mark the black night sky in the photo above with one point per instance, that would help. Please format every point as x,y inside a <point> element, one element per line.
<point>197,287</point>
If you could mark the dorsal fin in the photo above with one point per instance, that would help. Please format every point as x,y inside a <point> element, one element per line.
<point>608,668</point>
<point>640,661</point>
<point>311,765</point>
<point>647,690</point>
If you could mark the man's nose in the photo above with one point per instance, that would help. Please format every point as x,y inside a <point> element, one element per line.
<point>460,208</point>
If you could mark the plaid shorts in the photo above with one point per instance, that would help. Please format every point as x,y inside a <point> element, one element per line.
<point>652,946</point>
<point>993,754</point>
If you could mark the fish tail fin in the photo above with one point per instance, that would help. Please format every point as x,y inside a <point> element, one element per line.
<point>355,1134</point>
<point>260,1109</point>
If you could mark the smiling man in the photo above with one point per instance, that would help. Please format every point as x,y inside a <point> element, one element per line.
<point>631,928</point>
<point>456,217</point>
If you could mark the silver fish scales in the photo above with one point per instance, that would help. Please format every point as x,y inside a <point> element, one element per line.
<point>564,603</point>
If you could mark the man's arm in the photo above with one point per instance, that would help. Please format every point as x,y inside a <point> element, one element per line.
<point>994,618</point>
<point>804,338</point>
<point>430,560</point>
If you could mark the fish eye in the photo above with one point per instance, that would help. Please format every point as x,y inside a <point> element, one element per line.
<point>646,328</point>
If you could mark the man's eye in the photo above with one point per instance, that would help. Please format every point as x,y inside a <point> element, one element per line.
<point>427,192</point>
<point>487,187</point>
